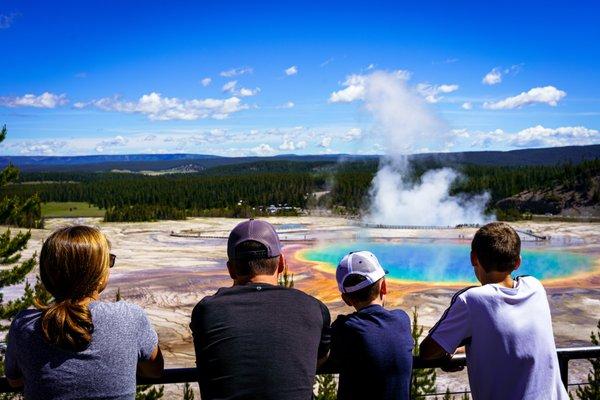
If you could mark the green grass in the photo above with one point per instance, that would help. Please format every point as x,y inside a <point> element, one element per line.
<point>70,209</point>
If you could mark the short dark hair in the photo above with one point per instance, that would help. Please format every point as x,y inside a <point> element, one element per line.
<point>245,265</point>
<point>368,293</point>
<point>497,247</point>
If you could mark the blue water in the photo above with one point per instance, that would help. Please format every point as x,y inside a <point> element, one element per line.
<point>447,262</point>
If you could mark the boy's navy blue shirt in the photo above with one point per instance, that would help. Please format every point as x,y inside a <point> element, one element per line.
<point>373,350</point>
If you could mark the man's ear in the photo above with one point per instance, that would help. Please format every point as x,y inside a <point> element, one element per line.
<point>347,300</point>
<point>383,289</point>
<point>518,264</point>
<point>282,264</point>
<point>231,270</point>
<point>474,259</point>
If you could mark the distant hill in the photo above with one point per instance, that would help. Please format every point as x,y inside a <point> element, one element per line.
<point>201,162</point>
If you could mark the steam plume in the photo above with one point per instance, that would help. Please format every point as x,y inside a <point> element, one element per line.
<point>407,125</point>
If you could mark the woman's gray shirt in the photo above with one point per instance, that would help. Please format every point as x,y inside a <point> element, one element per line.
<point>105,370</point>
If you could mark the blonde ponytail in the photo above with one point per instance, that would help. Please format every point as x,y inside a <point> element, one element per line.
<point>73,263</point>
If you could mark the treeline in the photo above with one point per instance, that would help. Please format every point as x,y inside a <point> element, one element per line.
<point>134,197</point>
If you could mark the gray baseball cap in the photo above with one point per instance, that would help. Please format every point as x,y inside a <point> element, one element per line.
<point>257,231</point>
<point>361,263</point>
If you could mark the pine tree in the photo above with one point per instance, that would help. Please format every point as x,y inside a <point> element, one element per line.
<point>592,390</point>
<point>15,211</point>
<point>448,395</point>
<point>465,396</point>
<point>149,392</point>
<point>286,279</point>
<point>188,393</point>
<point>423,380</point>
<point>326,387</point>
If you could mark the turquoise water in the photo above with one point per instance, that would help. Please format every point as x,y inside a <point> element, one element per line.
<point>447,262</point>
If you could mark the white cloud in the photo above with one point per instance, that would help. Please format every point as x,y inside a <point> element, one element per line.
<point>263,150</point>
<point>547,95</point>
<point>462,133</point>
<point>493,77</point>
<point>432,92</point>
<point>6,20</point>
<point>535,136</point>
<point>160,108</point>
<point>44,100</point>
<point>114,142</point>
<point>352,134</point>
<point>245,92</point>
<point>293,70</point>
<point>467,105</point>
<point>236,71</point>
<point>206,81</point>
<point>324,63</point>
<point>81,75</point>
<point>356,87</point>
<point>229,86</point>
<point>355,90</point>
<point>539,136</point>
<point>325,142</point>
<point>150,138</point>
<point>41,147</point>
<point>289,104</point>
<point>289,144</point>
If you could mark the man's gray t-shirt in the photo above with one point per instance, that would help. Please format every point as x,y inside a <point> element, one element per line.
<point>105,369</point>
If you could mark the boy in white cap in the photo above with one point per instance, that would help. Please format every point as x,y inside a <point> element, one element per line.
<point>372,347</point>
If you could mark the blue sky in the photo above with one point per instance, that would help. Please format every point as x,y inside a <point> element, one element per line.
<point>115,77</point>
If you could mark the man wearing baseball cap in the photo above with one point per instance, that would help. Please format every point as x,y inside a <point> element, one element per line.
<point>255,339</point>
<point>372,347</point>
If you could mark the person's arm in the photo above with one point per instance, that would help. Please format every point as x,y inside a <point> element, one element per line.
<point>452,330</point>
<point>431,350</point>
<point>333,361</point>
<point>325,342</point>
<point>16,383</point>
<point>153,367</point>
<point>13,373</point>
<point>150,360</point>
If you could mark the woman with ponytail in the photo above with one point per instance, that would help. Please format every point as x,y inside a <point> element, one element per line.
<point>79,347</point>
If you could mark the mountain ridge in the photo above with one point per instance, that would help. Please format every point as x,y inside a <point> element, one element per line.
<point>156,162</point>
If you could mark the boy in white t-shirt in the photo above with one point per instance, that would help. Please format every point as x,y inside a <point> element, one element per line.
<point>505,325</point>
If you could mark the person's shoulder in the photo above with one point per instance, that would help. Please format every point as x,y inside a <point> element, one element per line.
<point>341,320</point>
<point>25,320</point>
<point>299,295</point>
<point>212,300</point>
<point>400,315</point>
<point>468,293</point>
<point>116,309</point>
<point>530,281</point>
<point>300,300</point>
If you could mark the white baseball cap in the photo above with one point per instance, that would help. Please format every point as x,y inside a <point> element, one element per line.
<point>361,263</point>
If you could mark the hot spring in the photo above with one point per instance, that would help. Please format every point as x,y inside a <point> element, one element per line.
<point>448,262</point>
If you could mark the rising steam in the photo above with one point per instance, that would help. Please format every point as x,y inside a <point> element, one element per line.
<point>408,125</point>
